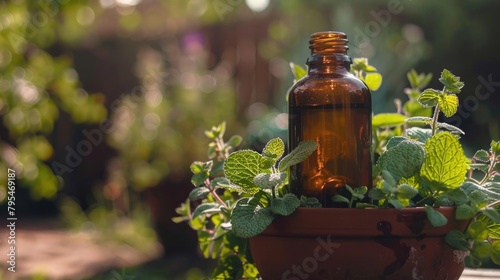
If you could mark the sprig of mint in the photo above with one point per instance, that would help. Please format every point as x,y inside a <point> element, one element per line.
<point>262,175</point>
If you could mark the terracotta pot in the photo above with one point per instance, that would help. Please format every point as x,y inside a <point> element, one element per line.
<point>329,243</point>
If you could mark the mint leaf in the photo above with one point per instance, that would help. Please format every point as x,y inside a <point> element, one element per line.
<point>269,181</point>
<point>241,167</point>
<point>437,219</point>
<point>482,155</point>
<point>464,212</point>
<point>285,205</point>
<point>249,219</point>
<point>298,72</point>
<point>478,230</point>
<point>445,164</point>
<point>274,148</point>
<point>376,194</point>
<point>495,252</point>
<point>340,198</point>
<point>309,202</point>
<point>492,213</point>
<point>199,193</point>
<point>230,267</point>
<point>203,208</point>
<point>419,134</point>
<point>448,104</point>
<point>394,141</point>
<point>373,81</point>
<point>450,81</point>
<point>403,160</point>
<point>481,249</point>
<point>429,97</point>
<point>299,154</point>
<point>387,120</point>
<point>457,239</point>
<point>495,147</point>
<point>405,191</point>
<point>234,141</point>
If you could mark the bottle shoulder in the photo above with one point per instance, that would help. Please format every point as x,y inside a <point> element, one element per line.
<point>329,89</point>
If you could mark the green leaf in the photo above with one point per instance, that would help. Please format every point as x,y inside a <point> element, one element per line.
<point>413,108</point>
<point>403,160</point>
<point>429,97</point>
<point>299,154</point>
<point>492,213</point>
<point>456,195</point>
<point>389,178</point>
<point>405,191</point>
<point>285,205</point>
<point>450,81</point>
<point>396,203</point>
<point>394,141</point>
<point>373,81</point>
<point>495,252</point>
<point>419,121</point>
<point>464,212</point>
<point>234,141</point>
<point>309,202</point>
<point>269,181</point>
<point>436,218</point>
<point>340,198</point>
<point>445,164</point>
<point>419,134</point>
<point>448,104</point>
<point>274,148</point>
<point>358,192</point>
<point>199,179</point>
<point>199,193</point>
<point>241,167</point>
<point>224,183</point>
<point>249,218</point>
<point>457,240</point>
<point>481,249</point>
<point>298,72</point>
<point>482,155</point>
<point>494,230</point>
<point>387,120</point>
<point>230,267</point>
<point>478,230</point>
<point>412,78</point>
<point>376,194</point>
<point>495,147</point>
<point>202,208</point>
<point>472,261</point>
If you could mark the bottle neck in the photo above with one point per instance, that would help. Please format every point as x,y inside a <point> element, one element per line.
<point>328,53</point>
<point>326,64</point>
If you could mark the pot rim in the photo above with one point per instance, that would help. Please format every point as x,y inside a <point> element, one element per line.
<point>408,222</point>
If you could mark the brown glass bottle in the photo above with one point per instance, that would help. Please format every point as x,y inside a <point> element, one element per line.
<point>332,107</point>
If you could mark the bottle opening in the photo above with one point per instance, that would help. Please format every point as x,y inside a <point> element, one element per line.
<point>328,42</point>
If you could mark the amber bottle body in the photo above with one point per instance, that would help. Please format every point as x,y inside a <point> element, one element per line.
<point>333,108</point>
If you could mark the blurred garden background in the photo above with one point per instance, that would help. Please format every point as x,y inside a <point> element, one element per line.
<point>104,104</point>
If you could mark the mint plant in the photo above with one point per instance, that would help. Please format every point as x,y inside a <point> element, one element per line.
<point>427,167</point>
<point>239,195</point>
<point>419,162</point>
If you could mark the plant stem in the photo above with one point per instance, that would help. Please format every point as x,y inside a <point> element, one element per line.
<point>488,174</point>
<point>435,119</point>
<point>214,194</point>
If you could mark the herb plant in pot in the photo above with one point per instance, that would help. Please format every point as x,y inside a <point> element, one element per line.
<point>430,208</point>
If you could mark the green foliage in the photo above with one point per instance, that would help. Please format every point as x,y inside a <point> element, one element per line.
<point>421,164</point>
<point>366,73</point>
<point>240,202</point>
<point>445,164</point>
<point>35,88</point>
